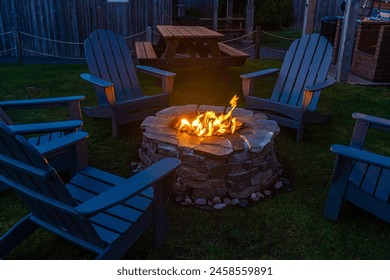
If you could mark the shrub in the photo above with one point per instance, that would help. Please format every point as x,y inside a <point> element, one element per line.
<point>271,14</point>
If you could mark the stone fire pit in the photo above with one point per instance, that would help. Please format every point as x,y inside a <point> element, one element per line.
<point>215,170</point>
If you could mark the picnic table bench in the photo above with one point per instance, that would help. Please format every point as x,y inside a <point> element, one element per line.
<point>183,46</point>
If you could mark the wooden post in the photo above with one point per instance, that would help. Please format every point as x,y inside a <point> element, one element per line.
<point>181,10</point>
<point>347,40</point>
<point>229,14</point>
<point>258,40</point>
<point>17,42</point>
<point>149,34</point>
<point>310,15</point>
<point>250,15</point>
<point>215,25</point>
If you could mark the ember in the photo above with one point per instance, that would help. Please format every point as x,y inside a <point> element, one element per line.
<point>209,123</point>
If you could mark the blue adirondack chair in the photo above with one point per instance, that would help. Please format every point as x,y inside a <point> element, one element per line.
<point>297,90</point>
<point>41,134</point>
<point>360,176</point>
<point>117,88</point>
<point>96,210</point>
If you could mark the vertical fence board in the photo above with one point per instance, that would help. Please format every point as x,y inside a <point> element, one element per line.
<point>74,20</point>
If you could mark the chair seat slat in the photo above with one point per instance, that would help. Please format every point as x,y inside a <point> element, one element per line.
<point>125,210</point>
<point>111,223</point>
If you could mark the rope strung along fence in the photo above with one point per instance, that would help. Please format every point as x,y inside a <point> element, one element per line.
<point>279,51</point>
<point>259,43</point>
<point>134,35</point>
<point>279,37</point>
<point>50,40</point>
<point>2,36</point>
<point>240,39</point>
<point>53,41</point>
<point>150,34</point>
<point>59,42</point>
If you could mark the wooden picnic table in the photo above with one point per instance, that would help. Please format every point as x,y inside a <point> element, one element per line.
<point>196,40</point>
<point>188,46</point>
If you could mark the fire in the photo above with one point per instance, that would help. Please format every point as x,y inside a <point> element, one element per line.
<point>209,123</point>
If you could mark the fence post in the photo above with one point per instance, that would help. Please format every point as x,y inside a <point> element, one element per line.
<point>181,10</point>
<point>149,34</point>
<point>258,41</point>
<point>17,42</point>
<point>18,45</point>
<point>215,15</point>
<point>249,18</point>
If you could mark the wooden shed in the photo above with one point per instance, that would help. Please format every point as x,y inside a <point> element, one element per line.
<point>371,56</point>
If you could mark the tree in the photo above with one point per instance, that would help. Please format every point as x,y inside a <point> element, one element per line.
<point>273,14</point>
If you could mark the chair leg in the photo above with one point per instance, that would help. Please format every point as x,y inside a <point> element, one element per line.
<point>333,202</point>
<point>300,131</point>
<point>19,232</point>
<point>167,85</point>
<point>160,219</point>
<point>247,87</point>
<point>337,188</point>
<point>114,127</point>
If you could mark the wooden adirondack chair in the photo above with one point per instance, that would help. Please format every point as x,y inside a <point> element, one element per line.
<point>360,176</point>
<point>96,210</point>
<point>41,134</point>
<point>301,78</point>
<point>116,83</point>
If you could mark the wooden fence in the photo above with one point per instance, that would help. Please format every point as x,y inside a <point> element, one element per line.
<point>324,8</point>
<point>59,27</point>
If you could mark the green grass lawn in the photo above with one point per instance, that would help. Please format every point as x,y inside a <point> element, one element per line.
<point>288,225</point>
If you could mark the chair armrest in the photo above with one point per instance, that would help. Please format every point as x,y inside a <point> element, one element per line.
<point>248,80</point>
<point>309,91</point>
<point>72,102</point>
<point>46,127</point>
<point>376,122</point>
<point>362,125</point>
<point>134,185</point>
<point>62,143</point>
<point>361,155</point>
<point>167,78</point>
<point>320,86</point>
<point>96,80</point>
<point>260,73</point>
<point>108,86</point>
<point>40,102</point>
<point>155,72</point>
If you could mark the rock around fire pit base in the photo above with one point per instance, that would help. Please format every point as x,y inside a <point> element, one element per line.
<point>216,170</point>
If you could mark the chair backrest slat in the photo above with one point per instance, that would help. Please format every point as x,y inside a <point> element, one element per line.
<point>288,74</point>
<point>306,62</point>
<point>383,188</point>
<point>109,58</point>
<point>99,70</point>
<point>106,57</point>
<point>302,74</point>
<point>19,150</point>
<point>4,118</point>
<point>319,69</point>
<point>125,68</point>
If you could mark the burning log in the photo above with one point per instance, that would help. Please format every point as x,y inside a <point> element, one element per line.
<point>212,124</point>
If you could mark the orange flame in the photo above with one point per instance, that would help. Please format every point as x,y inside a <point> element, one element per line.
<point>209,124</point>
